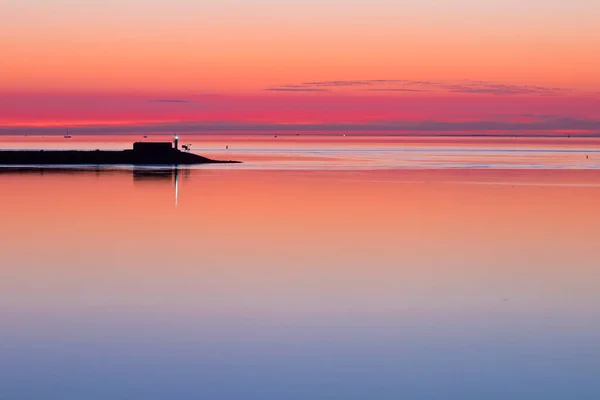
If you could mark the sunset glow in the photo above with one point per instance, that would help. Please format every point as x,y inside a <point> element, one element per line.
<point>300,62</point>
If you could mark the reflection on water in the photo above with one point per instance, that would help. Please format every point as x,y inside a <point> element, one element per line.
<point>141,174</point>
<point>425,284</point>
<point>170,175</point>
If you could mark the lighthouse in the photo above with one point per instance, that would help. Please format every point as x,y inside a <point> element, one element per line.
<point>176,142</point>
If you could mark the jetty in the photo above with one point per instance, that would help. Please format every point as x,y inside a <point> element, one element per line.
<point>142,153</point>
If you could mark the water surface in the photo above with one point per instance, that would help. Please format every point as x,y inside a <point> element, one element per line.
<point>299,282</point>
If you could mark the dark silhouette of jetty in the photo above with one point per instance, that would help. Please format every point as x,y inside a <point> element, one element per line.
<point>143,153</point>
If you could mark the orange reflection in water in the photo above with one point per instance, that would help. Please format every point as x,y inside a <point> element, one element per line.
<point>301,242</point>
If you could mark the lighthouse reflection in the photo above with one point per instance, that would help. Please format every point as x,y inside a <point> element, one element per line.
<point>167,175</point>
<point>141,174</point>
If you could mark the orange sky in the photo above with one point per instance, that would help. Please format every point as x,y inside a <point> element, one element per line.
<point>237,47</point>
<point>181,49</point>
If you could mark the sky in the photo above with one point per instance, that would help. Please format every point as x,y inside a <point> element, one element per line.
<point>264,65</point>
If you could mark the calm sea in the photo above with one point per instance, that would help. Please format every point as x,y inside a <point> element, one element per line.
<point>320,268</point>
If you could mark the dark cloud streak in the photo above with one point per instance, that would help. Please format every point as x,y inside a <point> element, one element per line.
<point>424,127</point>
<point>296,89</point>
<point>405,85</point>
<point>170,101</point>
<point>502,89</point>
<point>395,90</point>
